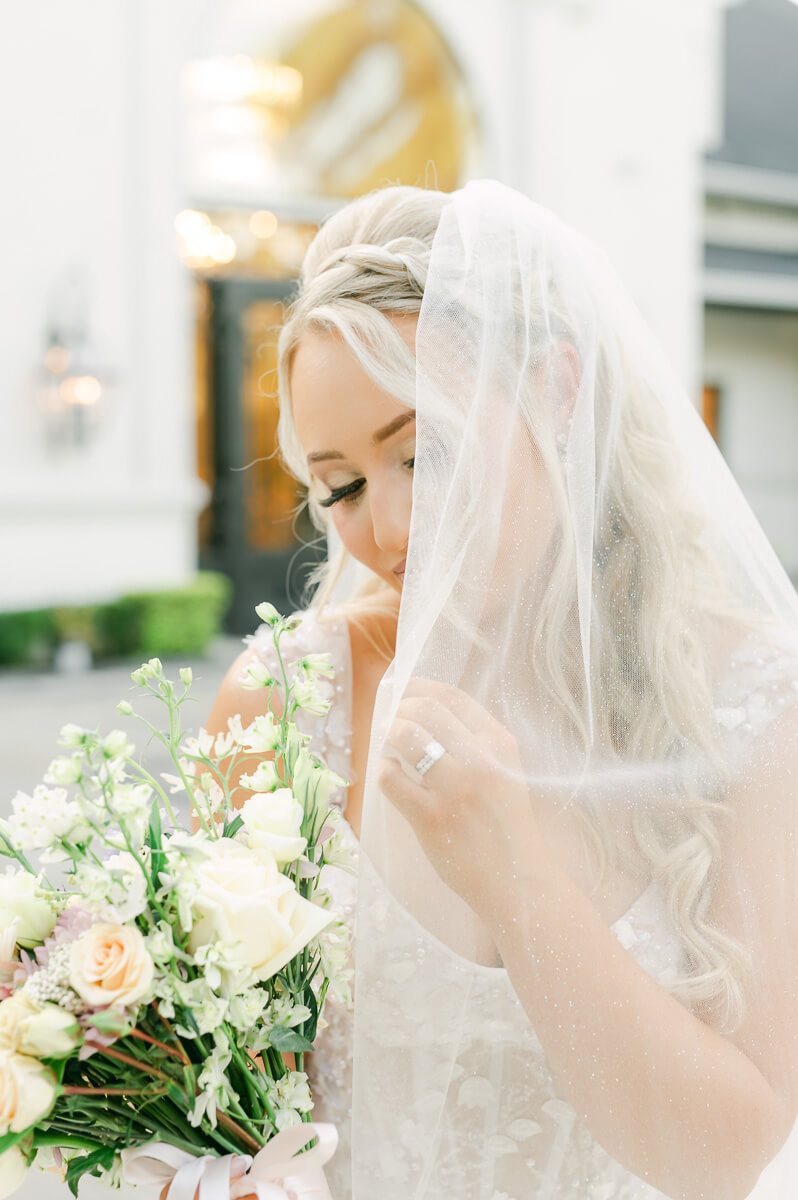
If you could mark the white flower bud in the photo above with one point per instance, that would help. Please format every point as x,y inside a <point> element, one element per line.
<point>186,676</point>
<point>268,613</point>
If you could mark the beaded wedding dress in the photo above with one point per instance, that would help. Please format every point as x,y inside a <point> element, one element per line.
<point>523,1120</point>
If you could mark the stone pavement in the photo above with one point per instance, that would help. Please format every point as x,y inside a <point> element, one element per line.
<point>33,708</point>
<point>34,705</point>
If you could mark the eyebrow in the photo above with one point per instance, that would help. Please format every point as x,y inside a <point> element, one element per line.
<point>380,436</point>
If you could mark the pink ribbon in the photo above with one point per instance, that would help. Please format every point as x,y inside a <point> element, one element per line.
<point>277,1172</point>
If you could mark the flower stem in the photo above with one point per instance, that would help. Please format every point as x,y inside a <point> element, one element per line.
<point>235,1128</point>
<point>145,1037</point>
<point>167,1025</point>
<point>120,1056</point>
<point>158,788</point>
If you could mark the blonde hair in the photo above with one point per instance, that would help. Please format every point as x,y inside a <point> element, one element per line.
<point>654,674</point>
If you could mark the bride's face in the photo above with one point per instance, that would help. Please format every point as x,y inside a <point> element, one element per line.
<point>360,444</point>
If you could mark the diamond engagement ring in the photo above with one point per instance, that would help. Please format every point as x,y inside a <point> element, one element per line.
<point>432,752</point>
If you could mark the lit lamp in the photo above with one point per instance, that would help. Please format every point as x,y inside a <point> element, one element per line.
<point>73,383</point>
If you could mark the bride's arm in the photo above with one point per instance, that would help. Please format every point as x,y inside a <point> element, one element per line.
<point>696,1113</point>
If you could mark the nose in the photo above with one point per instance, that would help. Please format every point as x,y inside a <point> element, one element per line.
<point>390,516</point>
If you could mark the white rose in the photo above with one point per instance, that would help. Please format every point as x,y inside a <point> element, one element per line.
<point>243,898</point>
<point>8,948</point>
<point>43,1031</point>
<point>13,1170</point>
<point>24,901</point>
<point>27,1092</point>
<point>273,820</point>
<point>111,965</point>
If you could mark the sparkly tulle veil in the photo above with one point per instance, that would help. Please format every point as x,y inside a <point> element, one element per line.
<point>583,568</point>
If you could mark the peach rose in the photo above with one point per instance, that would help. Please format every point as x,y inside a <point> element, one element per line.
<point>111,965</point>
<point>27,1092</point>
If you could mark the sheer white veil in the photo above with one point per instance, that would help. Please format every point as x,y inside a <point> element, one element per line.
<point>583,567</point>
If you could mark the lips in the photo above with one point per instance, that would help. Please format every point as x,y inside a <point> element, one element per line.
<point>399,569</point>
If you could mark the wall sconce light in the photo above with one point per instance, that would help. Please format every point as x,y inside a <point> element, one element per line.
<point>73,379</point>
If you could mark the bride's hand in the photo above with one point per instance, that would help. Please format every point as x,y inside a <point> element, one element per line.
<point>471,811</point>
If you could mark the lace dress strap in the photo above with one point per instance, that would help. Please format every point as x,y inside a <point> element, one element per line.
<point>331,735</point>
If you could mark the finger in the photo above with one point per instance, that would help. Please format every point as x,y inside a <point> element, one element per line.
<point>468,711</point>
<point>409,741</point>
<point>444,725</point>
<point>400,790</point>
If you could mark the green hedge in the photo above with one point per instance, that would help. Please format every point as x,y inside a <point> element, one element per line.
<point>178,622</point>
<point>27,637</point>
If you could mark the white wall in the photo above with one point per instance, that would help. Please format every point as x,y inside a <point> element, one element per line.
<point>88,142</point>
<point>602,109</point>
<point>599,108</point>
<point>753,359</point>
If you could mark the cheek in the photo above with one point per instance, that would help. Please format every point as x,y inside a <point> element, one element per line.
<point>354,529</point>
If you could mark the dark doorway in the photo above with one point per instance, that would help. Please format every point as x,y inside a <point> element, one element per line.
<point>251,530</point>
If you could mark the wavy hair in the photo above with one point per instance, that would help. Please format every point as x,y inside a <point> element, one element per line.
<point>652,676</point>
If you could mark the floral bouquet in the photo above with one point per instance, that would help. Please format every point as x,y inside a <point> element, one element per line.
<point>155,1006</point>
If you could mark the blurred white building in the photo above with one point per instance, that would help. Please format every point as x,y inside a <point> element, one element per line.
<point>132,351</point>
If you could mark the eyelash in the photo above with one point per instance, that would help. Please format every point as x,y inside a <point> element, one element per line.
<point>350,493</point>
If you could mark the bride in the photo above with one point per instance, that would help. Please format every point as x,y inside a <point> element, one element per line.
<point>566,673</point>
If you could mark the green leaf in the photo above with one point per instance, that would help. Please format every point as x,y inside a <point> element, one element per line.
<point>309,1028</point>
<point>289,1041</point>
<point>67,1140</point>
<point>10,1139</point>
<point>155,840</point>
<point>99,1160</point>
<point>232,829</point>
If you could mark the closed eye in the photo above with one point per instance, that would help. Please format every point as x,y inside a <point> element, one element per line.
<point>349,492</point>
